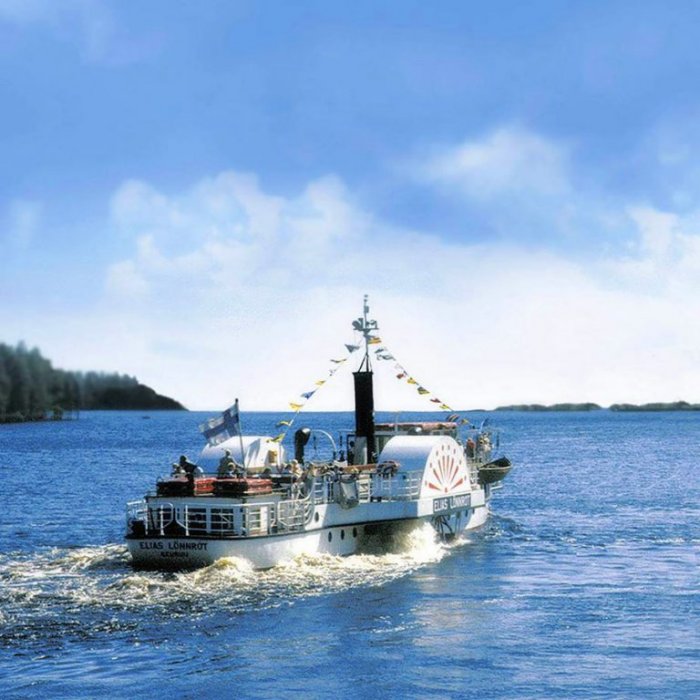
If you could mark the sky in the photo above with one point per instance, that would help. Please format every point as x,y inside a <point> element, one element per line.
<point>199,194</point>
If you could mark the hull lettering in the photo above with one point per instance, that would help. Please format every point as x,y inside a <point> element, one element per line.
<point>448,504</point>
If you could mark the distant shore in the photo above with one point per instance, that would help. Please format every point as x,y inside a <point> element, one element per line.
<point>648,407</point>
<point>33,390</point>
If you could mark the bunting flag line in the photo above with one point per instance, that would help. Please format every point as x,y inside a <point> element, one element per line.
<point>383,353</point>
<point>306,396</point>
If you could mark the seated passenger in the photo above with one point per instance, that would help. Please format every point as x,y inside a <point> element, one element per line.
<point>226,465</point>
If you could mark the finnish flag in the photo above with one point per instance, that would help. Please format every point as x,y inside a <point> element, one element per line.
<point>217,430</point>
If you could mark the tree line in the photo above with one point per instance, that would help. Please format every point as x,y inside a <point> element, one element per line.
<point>32,389</point>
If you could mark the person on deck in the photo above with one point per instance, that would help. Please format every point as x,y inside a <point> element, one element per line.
<point>226,465</point>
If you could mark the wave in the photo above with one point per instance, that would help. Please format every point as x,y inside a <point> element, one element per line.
<point>85,581</point>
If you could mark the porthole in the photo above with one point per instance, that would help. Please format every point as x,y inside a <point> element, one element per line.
<point>330,536</point>
<point>354,532</point>
<point>342,534</point>
<point>316,517</point>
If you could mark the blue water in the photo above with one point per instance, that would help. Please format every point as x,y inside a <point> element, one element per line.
<point>584,583</point>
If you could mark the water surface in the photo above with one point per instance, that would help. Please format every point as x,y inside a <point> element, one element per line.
<point>584,583</point>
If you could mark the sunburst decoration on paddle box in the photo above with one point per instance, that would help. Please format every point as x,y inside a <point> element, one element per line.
<point>446,471</point>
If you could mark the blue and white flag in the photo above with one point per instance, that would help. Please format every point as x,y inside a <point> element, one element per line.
<point>217,430</point>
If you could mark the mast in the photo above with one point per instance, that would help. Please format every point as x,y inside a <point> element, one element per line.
<point>364,393</point>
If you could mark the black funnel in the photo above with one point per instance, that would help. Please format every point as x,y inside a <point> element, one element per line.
<point>364,411</point>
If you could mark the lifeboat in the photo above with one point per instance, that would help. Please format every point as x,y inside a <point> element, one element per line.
<point>491,472</point>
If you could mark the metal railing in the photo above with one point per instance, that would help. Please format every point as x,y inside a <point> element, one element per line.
<point>267,517</point>
<point>240,520</point>
<point>404,486</point>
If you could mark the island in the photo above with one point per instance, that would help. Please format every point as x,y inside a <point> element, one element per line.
<point>31,389</point>
<point>673,406</point>
<point>553,407</point>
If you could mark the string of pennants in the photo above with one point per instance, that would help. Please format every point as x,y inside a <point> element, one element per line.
<point>297,405</point>
<point>381,353</point>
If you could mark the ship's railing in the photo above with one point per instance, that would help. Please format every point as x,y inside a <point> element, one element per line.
<point>404,486</point>
<point>239,520</point>
<point>266,517</point>
<point>371,487</point>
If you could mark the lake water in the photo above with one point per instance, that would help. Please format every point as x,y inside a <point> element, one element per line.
<point>585,583</point>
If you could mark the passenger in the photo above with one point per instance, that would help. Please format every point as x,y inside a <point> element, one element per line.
<point>471,448</point>
<point>182,467</point>
<point>226,465</point>
<point>483,445</point>
<point>190,470</point>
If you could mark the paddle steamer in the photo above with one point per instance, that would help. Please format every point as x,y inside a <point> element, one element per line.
<point>268,509</point>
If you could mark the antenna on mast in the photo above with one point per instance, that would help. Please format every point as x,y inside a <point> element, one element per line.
<point>366,326</point>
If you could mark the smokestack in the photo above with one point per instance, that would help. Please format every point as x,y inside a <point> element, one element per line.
<point>364,411</point>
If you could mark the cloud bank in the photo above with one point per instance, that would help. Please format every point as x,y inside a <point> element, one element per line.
<point>230,290</point>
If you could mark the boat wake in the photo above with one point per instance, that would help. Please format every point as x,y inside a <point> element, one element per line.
<point>60,591</point>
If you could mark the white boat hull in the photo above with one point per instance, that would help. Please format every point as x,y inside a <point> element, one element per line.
<point>266,552</point>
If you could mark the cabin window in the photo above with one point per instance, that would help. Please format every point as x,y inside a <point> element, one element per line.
<point>330,536</point>
<point>342,534</point>
<point>354,532</point>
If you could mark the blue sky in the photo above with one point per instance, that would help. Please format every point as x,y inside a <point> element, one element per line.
<point>178,176</point>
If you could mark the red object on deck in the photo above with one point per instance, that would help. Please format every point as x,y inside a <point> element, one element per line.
<point>242,487</point>
<point>180,486</point>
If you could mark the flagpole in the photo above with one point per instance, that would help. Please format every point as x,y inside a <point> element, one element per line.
<point>240,437</point>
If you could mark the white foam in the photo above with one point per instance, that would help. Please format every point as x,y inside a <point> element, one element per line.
<point>102,576</point>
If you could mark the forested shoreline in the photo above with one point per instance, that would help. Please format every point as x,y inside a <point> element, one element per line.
<point>31,389</point>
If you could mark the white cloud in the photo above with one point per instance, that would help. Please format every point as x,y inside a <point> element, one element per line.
<point>666,256</point>
<point>506,162</point>
<point>237,291</point>
<point>231,290</point>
